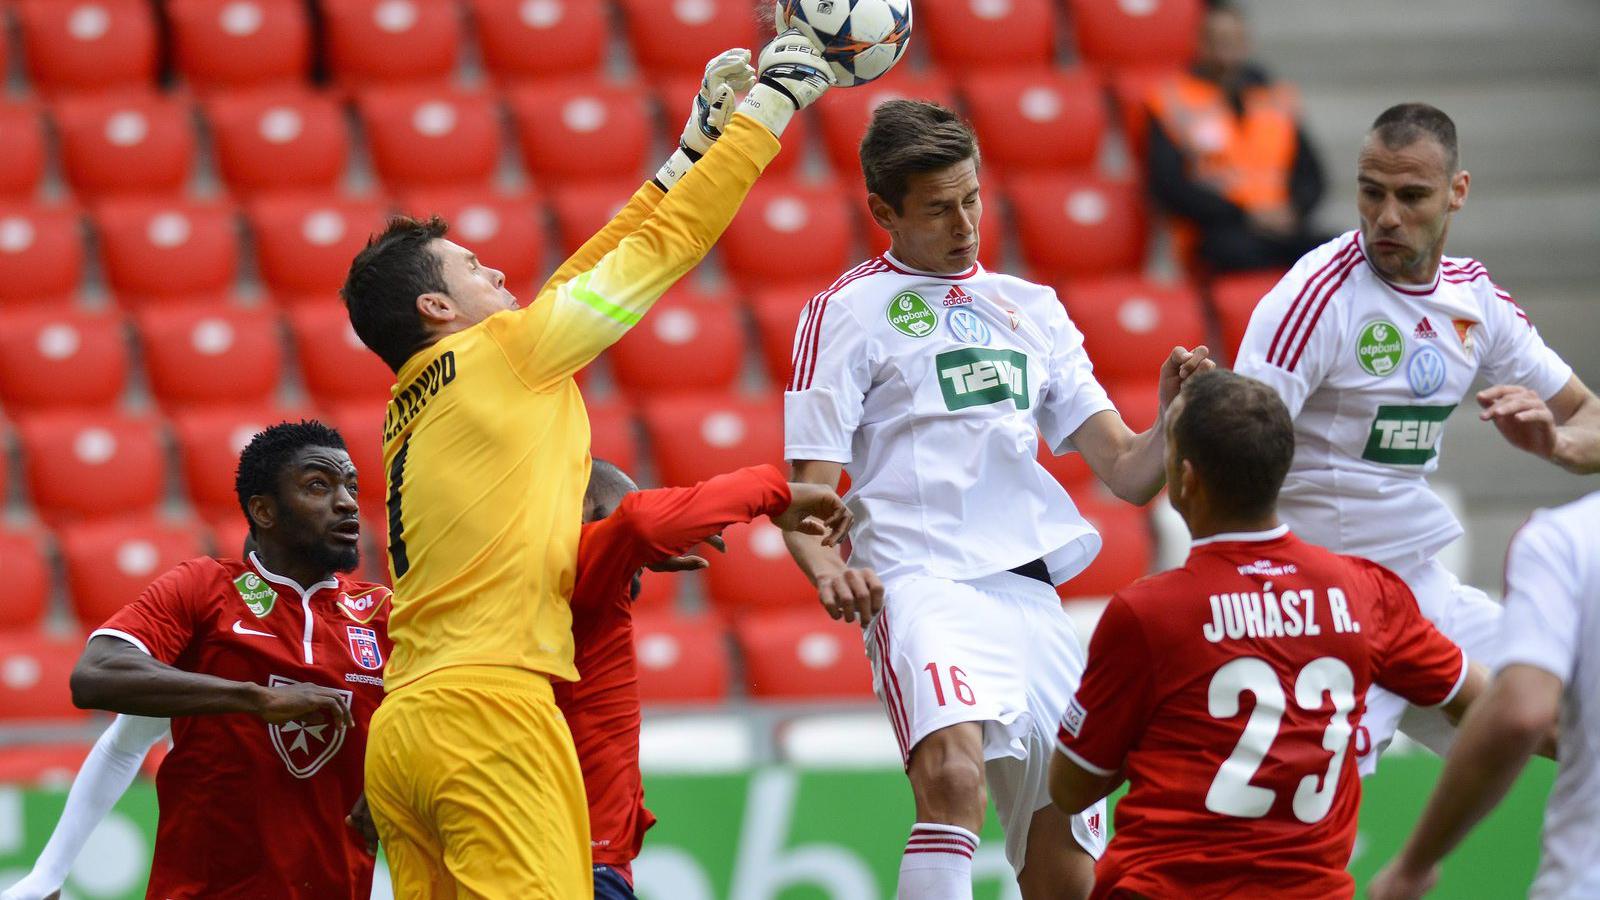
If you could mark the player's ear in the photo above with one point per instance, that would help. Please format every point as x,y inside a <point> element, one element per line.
<point>1188,479</point>
<point>436,308</point>
<point>1459,185</point>
<point>263,511</point>
<point>882,212</point>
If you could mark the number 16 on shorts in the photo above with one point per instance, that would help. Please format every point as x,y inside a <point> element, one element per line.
<point>959,688</point>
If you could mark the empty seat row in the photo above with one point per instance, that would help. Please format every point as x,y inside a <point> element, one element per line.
<point>97,45</point>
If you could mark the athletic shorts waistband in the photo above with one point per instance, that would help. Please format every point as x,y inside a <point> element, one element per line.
<point>498,677</point>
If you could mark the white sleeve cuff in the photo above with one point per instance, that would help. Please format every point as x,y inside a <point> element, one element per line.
<point>112,632</point>
<point>1082,763</point>
<point>1466,666</point>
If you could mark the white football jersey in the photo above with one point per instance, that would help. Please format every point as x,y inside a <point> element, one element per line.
<point>1370,371</point>
<point>1552,622</point>
<point>931,390</point>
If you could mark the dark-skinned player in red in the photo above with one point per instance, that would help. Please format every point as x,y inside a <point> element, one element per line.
<point>626,529</point>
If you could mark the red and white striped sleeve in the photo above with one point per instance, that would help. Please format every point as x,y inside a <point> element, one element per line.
<point>832,370</point>
<point>1514,353</point>
<point>1294,332</point>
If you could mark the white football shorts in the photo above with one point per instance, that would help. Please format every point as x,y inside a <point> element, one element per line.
<point>997,650</point>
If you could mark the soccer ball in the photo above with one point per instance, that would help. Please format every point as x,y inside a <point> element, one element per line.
<point>860,39</point>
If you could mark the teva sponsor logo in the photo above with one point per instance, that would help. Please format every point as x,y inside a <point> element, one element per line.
<point>976,377</point>
<point>1426,371</point>
<point>911,316</point>
<point>966,327</point>
<point>1424,331</point>
<point>1380,348</point>
<point>956,297</point>
<point>258,596</point>
<point>1406,435</point>
<point>306,745</point>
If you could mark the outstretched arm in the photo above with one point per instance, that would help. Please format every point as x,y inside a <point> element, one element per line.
<point>847,594</point>
<point>1132,465</point>
<point>1565,430</point>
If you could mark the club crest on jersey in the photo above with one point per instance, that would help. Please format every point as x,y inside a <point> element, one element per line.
<point>1380,348</point>
<point>306,745</point>
<point>956,297</point>
<point>258,596</point>
<point>364,647</point>
<point>911,316</point>
<point>363,605</point>
<point>1464,332</point>
<point>967,327</point>
<point>1426,371</point>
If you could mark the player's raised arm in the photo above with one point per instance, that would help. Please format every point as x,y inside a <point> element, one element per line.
<point>1131,464</point>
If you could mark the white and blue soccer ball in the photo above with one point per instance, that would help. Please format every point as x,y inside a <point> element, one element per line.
<point>860,39</point>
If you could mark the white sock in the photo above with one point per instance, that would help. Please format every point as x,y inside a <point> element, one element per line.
<point>937,864</point>
<point>105,775</point>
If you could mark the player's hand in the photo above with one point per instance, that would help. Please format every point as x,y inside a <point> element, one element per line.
<point>1180,365</point>
<point>790,75</point>
<point>287,702</point>
<point>1522,417</point>
<point>816,510</point>
<point>727,74</point>
<point>1396,883</point>
<point>688,562</point>
<point>851,594</point>
<point>360,819</point>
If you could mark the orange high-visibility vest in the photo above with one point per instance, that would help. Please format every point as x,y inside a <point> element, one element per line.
<point>1246,159</point>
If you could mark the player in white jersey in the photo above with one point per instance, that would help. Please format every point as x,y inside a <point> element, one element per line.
<point>1371,340</point>
<point>929,379</point>
<point>1548,671</point>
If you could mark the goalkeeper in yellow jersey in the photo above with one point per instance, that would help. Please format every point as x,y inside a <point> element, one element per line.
<point>470,769</point>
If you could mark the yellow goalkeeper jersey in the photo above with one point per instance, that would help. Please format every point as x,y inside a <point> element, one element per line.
<point>486,440</point>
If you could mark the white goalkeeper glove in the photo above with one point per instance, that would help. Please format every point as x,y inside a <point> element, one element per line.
<point>727,74</point>
<point>790,75</point>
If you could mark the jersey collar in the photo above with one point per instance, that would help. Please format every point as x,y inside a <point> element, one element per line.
<point>1242,537</point>
<point>1410,290</point>
<point>285,581</point>
<point>904,269</point>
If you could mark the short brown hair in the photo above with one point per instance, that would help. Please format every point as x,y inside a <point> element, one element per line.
<point>909,137</point>
<point>386,278</point>
<point>1404,124</point>
<point>1237,434</point>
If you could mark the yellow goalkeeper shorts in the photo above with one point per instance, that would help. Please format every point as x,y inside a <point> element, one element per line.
<point>476,791</point>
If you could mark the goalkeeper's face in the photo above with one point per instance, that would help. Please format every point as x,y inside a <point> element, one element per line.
<point>936,227</point>
<point>476,291</point>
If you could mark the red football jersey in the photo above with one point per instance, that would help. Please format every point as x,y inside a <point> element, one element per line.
<point>250,809</point>
<point>1230,691</point>
<point>602,708</point>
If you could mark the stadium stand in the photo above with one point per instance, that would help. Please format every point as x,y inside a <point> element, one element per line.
<point>84,465</point>
<point>582,129</point>
<point>700,29</point>
<point>966,35</point>
<point>211,354</point>
<point>242,43</point>
<point>430,136</point>
<point>334,365</point>
<point>1040,119</point>
<point>126,142</point>
<point>1072,225</point>
<point>756,573</point>
<point>24,559</point>
<point>582,209</point>
<point>167,249</point>
<point>23,150</point>
<point>774,216</point>
<point>109,563</point>
<point>682,659</point>
<point>280,138</point>
<point>801,655</point>
<point>1130,324</point>
<point>691,341</point>
<point>1233,299</point>
<point>88,46</point>
<point>522,40</point>
<point>304,243</point>
<point>1144,34</point>
<point>388,41</point>
<point>41,253</point>
<point>209,442</point>
<point>696,436</point>
<point>33,678</point>
<point>61,358</point>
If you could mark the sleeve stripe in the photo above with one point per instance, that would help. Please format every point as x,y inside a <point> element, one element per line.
<point>123,635</point>
<point>1460,680</point>
<point>1082,763</point>
<point>1333,263</point>
<point>1327,296</point>
<point>592,299</point>
<point>802,342</point>
<point>805,366</point>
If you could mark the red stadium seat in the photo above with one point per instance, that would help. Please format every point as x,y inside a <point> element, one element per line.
<point>200,355</point>
<point>336,366</point>
<point>61,358</point>
<point>696,436</point>
<point>377,41</point>
<point>1037,119</point>
<point>278,138</point>
<point>27,572</point>
<point>228,531</point>
<point>109,563</point>
<point>658,592</point>
<point>1122,33</point>
<point>34,671</point>
<point>583,209</point>
<point>1126,554</point>
<point>986,34</point>
<point>690,341</point>
<point>125,143</point>
<point>1130,324</point>
<point>241,43</point>
<point>92,465</point>
<point>757,573</point>
<point>361,426</point>
<point>1137,400</point>
<point>1233,299</point>
<point>845,114</point>
<point>42,765</point>
<point>429,136</point>
<point>506,231</point>
<point>22,149</point>
<point>524,39</point>
<point>777,312</point>
<point>611,435</point>
<point>88,45</point>
<point>580,129</point>
<point>304,244</point>
<point>209,444</point>
<point>773,218</point>
<point>802,655</point>
<point>171,249</point>
<point>1075,225</point>
<point>698,30</point>
<point>41,253</point>
<point>682,659</point>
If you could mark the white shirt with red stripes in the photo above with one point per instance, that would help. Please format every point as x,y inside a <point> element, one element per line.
<point>1369,371</point>
<point>932,391</point>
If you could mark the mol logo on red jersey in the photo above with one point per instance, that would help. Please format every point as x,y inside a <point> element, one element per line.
<point>364,647</point>
<point>306,745</point>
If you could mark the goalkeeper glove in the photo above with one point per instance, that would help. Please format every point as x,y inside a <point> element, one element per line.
<point>726,74</point>
<point>790,75</point>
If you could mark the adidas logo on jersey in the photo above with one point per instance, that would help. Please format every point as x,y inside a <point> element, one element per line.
<point>1424,330</point>
<point>956,297</point>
